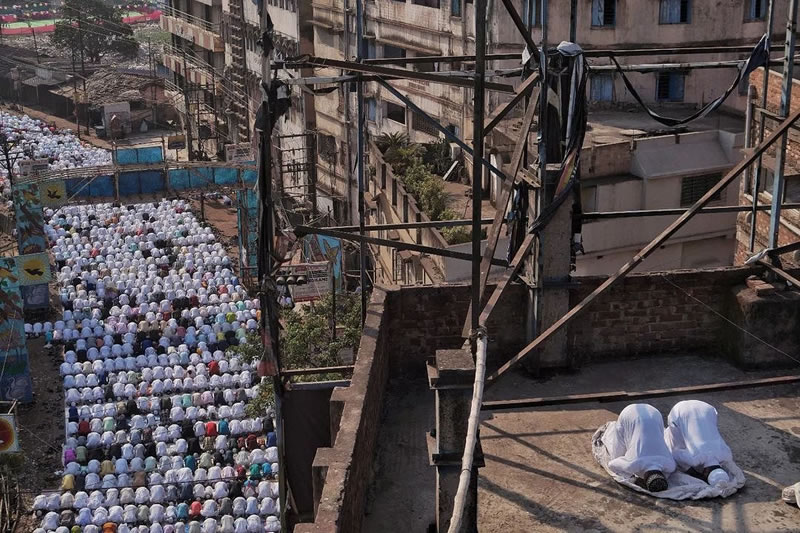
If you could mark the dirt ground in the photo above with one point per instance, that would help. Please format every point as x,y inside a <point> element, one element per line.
<point>41,429</point>
<point>223,221</point>
<point>540,475</point>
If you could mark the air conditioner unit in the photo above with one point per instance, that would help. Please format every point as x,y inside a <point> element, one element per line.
<point>455,151</point>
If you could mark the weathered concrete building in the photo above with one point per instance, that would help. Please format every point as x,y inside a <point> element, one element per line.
<point>430,27</point>
<point>627,169</point>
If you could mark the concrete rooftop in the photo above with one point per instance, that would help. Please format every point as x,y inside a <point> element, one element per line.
<point>612,126</point>
<point>540,474</point>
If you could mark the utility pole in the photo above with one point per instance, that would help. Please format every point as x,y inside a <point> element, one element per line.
<point>360,140</point>
<point>75,92</point>
<point>764,87</point>
<point>187,114</point>
<point>83,66</point>
<point>786,100</point>
<point>35,46</point>
<point>152,69</point>
<point>267,293</point>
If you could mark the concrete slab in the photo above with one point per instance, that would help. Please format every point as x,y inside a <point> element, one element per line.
<point>540,474</point>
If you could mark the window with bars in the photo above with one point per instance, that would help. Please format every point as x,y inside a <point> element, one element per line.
<point>693,188</point>
<point>396,112</point>
<point>674,12</point>
<point>419,123</point>
<point>326,148</point>
<point>604,13</point>
<point>756,9</point>
<point>670,86</point>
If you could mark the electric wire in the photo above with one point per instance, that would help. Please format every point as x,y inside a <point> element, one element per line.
<point>729,321</point>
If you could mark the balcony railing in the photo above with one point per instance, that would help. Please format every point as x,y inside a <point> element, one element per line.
<point>191,19</point>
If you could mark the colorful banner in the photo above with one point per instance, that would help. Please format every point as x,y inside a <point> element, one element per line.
<point>322,248</point>
<point>53,193</point>
<point>15,383</point>
<point>33,269</point>
<point>15,380</point>
<point>9,440</point>
<point>30,219</point>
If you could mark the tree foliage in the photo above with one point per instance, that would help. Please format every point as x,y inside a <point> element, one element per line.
<point>96,26</point>
<point>307,338</point>
<point>306,341</point>
<point>437,156</point>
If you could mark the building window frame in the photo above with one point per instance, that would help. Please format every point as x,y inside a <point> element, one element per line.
<point>604,13</point>
<point>755,10</point>
<point>599,85</point>
<point>536,10</point>
<point>396,113</point>
<point>455,8</point>
<point>372,110</point>
<point>675,12</point>
<point>670,86</point>
<point>694,187</point>
<point>420,123</point>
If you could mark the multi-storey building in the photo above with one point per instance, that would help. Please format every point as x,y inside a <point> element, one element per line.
<point>196,57</point>
<point>215,46</point>
<point>398,29</point>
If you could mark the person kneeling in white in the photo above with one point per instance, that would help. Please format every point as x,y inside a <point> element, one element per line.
<point>637,449</point>
<point>693,438</point>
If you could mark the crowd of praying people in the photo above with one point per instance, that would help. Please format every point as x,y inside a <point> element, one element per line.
<point>158,435</point>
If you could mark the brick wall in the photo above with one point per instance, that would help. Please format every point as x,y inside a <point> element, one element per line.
<point>404,327</point>
<point>340,474</point>
<point>644,314</point>
<point>426,319</point>
<point>773,105</point>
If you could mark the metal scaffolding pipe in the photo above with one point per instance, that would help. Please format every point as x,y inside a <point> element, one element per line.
<point>398,245</point>
<point>756,183</point>
<point>414,225</point>
<point>647,250</point>
<point>787,84</point>
<point>604,215</point>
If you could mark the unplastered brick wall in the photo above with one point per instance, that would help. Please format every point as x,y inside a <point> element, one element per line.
<point>426,319</point>
<point>646,314</point>
<point>773,105</point>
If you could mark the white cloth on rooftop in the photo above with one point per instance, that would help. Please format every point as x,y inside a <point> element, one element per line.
<point>636,443</point>
<point>693,437</point>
